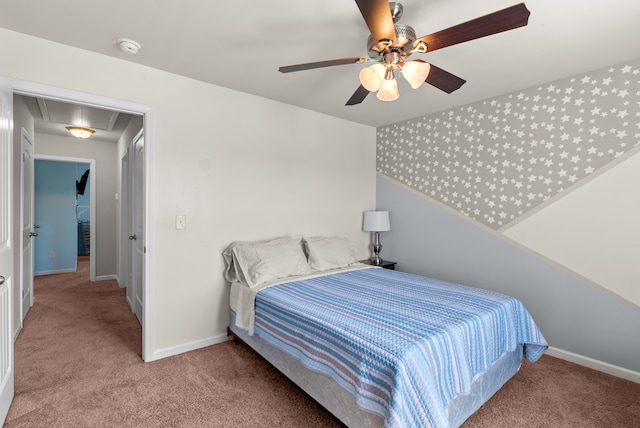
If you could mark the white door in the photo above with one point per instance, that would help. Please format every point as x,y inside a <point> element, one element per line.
<point>6,250</point>
<point>137,262</point>
<point>29,231</point>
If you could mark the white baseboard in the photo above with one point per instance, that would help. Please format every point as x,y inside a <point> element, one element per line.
<point>186,347</point>
<point>120,283</point>
<point>106,277</point>
<point>595,364</point>
<point>17,333</point>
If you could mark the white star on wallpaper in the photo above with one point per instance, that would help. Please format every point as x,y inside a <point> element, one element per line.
<point>497,159</point>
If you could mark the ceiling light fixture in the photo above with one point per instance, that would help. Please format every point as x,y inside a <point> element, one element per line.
<point>379,77</point>
<point>388,87</point>
<point>80,131</point>
<point>415,72</point>
<point>391,55</point>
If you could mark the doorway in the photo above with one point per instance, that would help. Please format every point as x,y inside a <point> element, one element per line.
<point>80,98</point>
<point>65,201</point>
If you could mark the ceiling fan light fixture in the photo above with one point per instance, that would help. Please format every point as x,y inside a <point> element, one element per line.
<point>371,77</point>
<point>416,72</point>
<point>392,46</point>
<point>388,90</point>
<point>80,131</point>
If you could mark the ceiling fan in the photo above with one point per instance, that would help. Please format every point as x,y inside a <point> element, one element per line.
<point>391,43</point>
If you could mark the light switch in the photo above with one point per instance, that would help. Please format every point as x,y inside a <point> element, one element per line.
<point>181,221</point>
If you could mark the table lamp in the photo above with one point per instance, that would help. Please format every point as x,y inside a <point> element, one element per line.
<point>376,222</point>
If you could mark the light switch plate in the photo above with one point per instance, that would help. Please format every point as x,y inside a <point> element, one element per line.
<point>181,221</point>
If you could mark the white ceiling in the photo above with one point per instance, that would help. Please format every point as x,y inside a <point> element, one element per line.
<point>240,44</point>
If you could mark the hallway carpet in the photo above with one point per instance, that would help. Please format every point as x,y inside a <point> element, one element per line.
<point>78,364</point>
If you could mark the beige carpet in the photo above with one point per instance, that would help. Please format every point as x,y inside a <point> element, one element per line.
<point>78,365</point>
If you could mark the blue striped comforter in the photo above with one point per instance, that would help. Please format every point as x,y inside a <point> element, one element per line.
<point>403,345</point>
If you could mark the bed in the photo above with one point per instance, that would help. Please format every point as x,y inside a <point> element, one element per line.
<point>375,347</point>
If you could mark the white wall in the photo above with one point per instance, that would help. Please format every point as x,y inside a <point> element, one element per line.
<point>238,166</point>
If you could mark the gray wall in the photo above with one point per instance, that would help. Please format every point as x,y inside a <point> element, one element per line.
<point>574,314</point>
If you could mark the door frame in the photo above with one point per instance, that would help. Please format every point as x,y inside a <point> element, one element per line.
<point>92,202</point>
<point>67,95</point>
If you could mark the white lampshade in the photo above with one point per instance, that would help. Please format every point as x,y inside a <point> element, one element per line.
<point>388,90</point>
<point>376,221</point>
<point>416,72</point>
<point>371,77</point>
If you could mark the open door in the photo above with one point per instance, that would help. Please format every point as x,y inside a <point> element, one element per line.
<point>137,262</point>
<point>123,242</point>
<point>29,231</point>
<point>6,249</point>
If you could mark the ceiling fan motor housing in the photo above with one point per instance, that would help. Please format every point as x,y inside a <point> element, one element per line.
<point>405,36</point>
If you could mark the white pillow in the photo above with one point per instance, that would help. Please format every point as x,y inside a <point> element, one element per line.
<point>329,253</point>
<point>267,261</point>
<point>232,271</point>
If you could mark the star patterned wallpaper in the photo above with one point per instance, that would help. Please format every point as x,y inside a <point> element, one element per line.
<point>497,159</point>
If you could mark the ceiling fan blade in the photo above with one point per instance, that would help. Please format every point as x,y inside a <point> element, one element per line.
<point>358,96</point>
<point>493,23</point>
<point>377,15</point>
<point>443,80</point>
<point>320,64</point>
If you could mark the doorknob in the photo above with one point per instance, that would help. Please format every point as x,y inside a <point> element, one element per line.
<point>132,238</point>
<point>33,234</point>
<point>1,279</point>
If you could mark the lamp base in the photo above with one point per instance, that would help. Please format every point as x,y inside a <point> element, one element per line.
<point>376,260</point>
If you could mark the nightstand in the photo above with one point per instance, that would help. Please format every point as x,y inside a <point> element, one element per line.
<point>385,264</point>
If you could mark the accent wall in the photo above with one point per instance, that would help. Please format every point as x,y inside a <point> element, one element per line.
<point>55,247</point>
<point>533,194</point>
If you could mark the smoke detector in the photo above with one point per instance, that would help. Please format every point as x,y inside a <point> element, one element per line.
<point>129,46</point>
